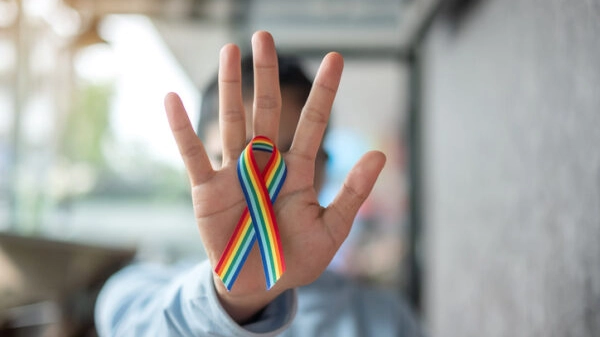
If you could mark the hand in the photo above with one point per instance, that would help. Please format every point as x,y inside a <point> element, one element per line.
<point>310,234</point>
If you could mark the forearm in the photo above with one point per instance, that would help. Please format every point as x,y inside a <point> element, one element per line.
<point>142,299</point>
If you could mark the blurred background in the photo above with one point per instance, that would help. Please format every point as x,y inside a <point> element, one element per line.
<point>486,217</point>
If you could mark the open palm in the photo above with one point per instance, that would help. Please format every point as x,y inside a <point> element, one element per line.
<point>310,234</point>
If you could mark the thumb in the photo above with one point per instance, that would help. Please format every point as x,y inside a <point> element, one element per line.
<point>340,214</point>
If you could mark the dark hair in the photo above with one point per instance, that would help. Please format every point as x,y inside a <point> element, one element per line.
<point>291,75</point>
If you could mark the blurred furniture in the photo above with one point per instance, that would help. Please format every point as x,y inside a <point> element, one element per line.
<point>49,287</point>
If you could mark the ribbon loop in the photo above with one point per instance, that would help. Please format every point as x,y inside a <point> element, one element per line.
<point>257,222</point>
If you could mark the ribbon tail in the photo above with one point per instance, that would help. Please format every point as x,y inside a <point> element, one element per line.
<point>258,222</point>
<point>236,252</point>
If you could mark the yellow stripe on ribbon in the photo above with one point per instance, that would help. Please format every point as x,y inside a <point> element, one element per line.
<point>258,222</point>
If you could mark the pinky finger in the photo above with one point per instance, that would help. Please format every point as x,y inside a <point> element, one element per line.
<point>192,151</point>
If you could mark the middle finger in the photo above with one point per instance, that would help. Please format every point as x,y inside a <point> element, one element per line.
<point>267,95</point>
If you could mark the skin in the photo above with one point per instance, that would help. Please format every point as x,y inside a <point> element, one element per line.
<point>310,234</point>
<point>292,105</point>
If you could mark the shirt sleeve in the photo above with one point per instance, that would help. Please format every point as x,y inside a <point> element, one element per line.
<point>154,300</point>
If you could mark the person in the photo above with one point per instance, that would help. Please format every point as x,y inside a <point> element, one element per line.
<point>308,300</point>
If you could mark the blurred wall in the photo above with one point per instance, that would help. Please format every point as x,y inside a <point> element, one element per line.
<point>512,144</point>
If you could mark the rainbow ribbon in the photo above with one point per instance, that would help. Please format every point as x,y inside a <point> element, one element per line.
<point>258,219</point>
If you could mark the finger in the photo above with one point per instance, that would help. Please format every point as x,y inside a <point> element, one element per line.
<point>191,148</point>
<point>339,215</point>
<point>316,111</point>
<point>232,119</point>
<point>267,96</point>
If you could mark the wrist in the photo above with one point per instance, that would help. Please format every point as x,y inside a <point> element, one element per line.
<point>243,306</point>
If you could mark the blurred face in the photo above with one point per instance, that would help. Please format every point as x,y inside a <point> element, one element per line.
<point>290,114</point>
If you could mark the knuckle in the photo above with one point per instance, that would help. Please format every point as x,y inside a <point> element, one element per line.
<point>326,88</point>
<point>314,115</point>
<point>356,197</point>
<point>343,214</point>
<point>191,151</point>
<point>233,115</point>
<point>267,102</point>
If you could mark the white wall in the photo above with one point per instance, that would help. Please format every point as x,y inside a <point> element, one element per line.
<point>512,146</point>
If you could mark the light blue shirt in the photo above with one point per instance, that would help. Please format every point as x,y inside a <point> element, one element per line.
<point>154,300</point>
